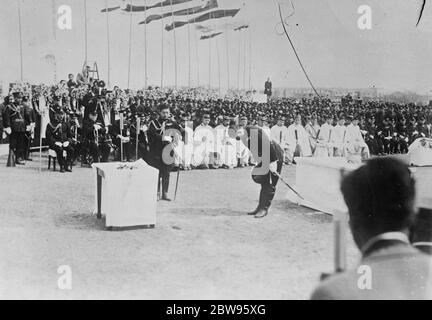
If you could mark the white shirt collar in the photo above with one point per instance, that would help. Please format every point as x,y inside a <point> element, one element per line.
<point>387,236</point>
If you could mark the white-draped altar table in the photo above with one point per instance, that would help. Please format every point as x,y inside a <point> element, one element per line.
<point>126,193</point>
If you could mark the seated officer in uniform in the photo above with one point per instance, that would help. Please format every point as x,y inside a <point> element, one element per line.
<point>59,137</point>
<point>380,199</point>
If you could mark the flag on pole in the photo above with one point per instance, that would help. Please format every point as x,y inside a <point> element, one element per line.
<point>216,14</point>
<point>209,36</point>
<point>218,29</point>
<point>208,5</point>
<point>126,6</point>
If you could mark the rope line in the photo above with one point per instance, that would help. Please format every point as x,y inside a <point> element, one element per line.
<point>295,52</point>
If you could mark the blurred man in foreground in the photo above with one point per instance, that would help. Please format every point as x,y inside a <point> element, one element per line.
<point>380,199</point>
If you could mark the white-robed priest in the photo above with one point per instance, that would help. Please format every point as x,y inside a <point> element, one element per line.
<point>225,145</point>
<point>338,134</point>
<point>354,142</point>
<point>204,142</point>
<point>279,134</point>
<point>243,153</point>
<point>324,147</point>
<point>298,140</point>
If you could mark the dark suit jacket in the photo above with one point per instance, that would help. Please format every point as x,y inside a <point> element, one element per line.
<point>399,272</point>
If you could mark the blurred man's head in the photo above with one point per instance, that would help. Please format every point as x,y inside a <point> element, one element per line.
<point>226,121</point>
<point>355,121</point>
<point>71,76</point>
<point>59,116</point>
<point>281,121</point>
<point>380,198</point>
<point>243,121</point>
<point>298,120</point>
<point>18,97</point>
<point>93,116</point>
<point>164,111</point>
<point>206,119</point>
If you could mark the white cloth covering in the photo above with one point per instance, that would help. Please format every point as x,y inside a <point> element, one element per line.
<point>420,152</point>
<point>129,197</point>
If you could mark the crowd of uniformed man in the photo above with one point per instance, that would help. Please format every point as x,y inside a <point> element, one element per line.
<point>102,125</point>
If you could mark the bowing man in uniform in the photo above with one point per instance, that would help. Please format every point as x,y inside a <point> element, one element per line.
<point>269,156</point>
<point>163,134</point>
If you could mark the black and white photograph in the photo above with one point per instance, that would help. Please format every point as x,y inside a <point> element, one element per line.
<point>244,151</point>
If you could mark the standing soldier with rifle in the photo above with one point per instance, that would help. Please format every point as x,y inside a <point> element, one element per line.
<point>16,123</point>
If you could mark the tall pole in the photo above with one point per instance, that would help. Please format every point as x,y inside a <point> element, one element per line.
<point>238,66</point>
<point>145,48</point>
<point>189,51</point>
<point>85,31</point>
<point>250,59</point>
<point>244,61</point>
<point>197,59</point>
<point>227,57</point>
<point>108,43</point>
<point>20,40</point>
<point>209,63</point>
<point>175,46</point>
<point>130,47</point>
<point>219,71</point>
<point>162,49</point>
<point>54,14</point>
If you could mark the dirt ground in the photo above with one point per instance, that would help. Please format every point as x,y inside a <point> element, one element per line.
<point>203,247</point>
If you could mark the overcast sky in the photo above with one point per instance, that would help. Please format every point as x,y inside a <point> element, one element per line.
<point>393,55</point>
